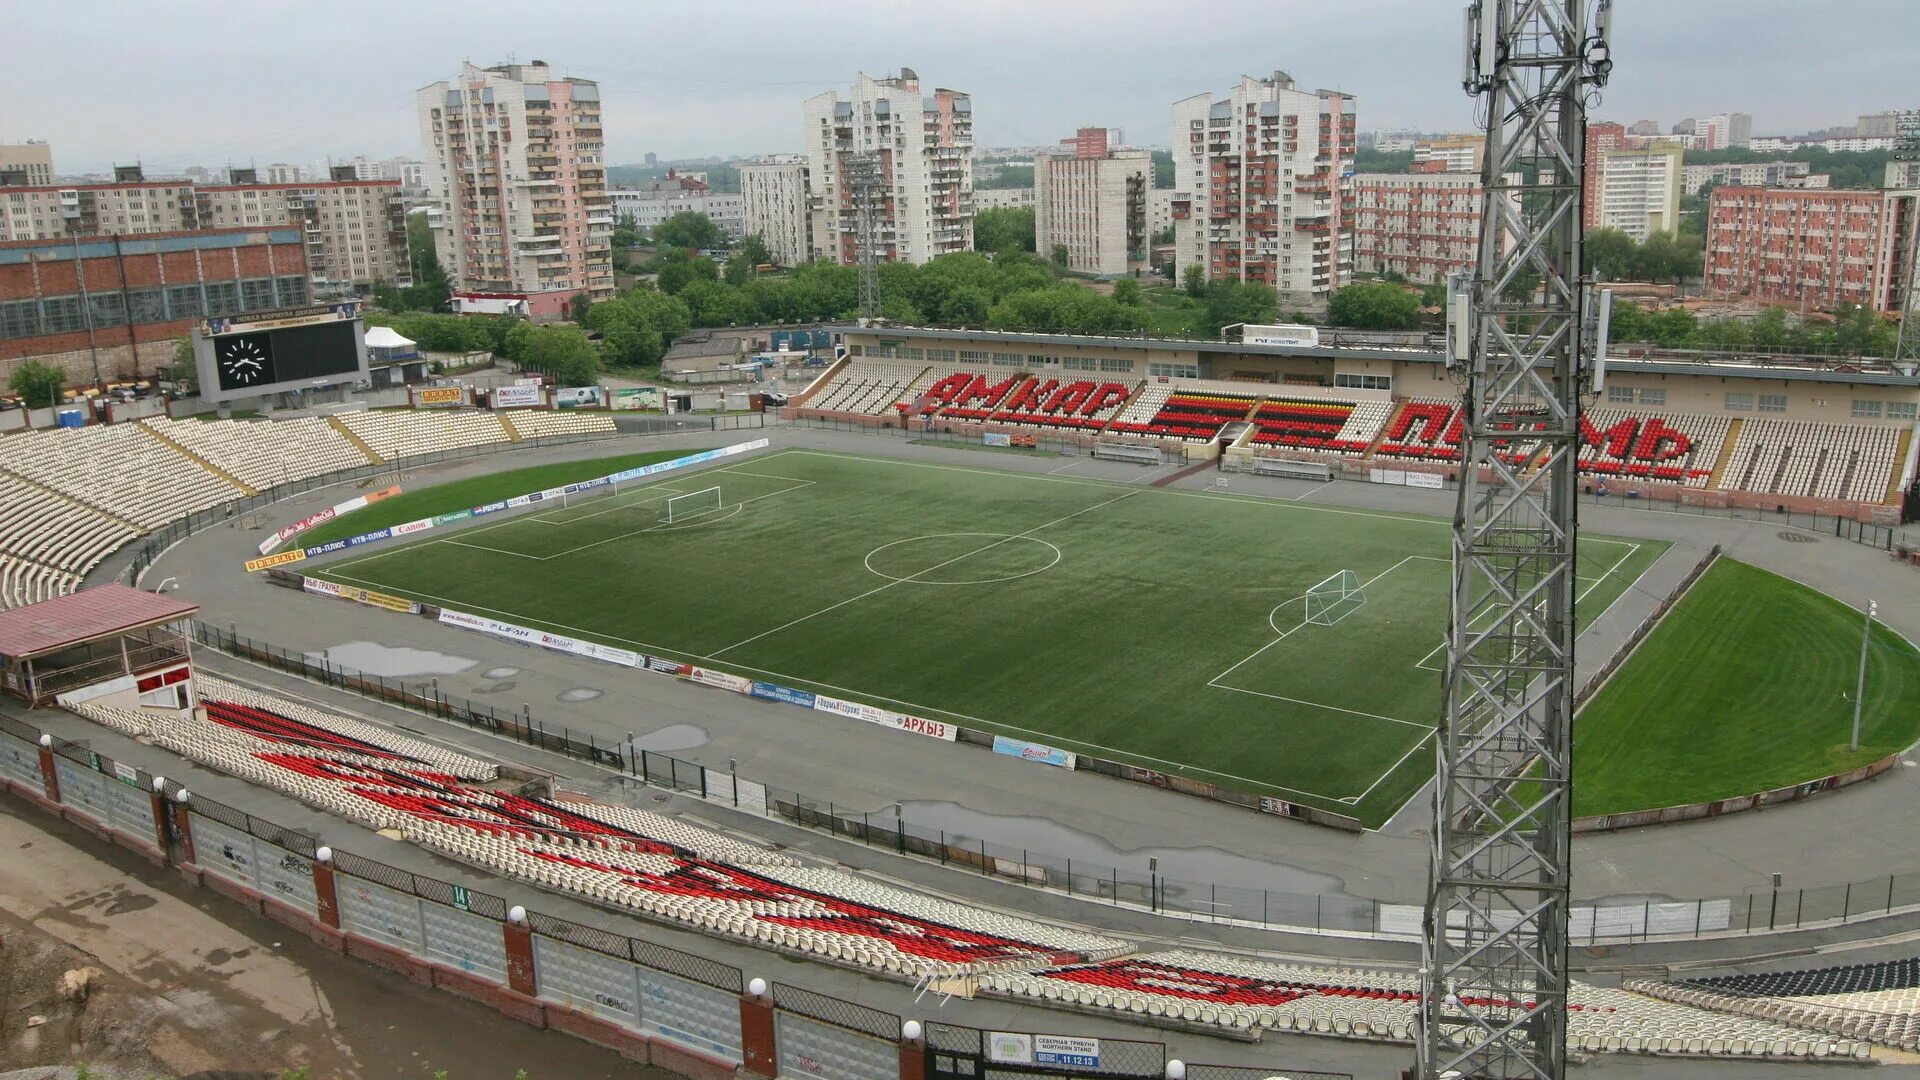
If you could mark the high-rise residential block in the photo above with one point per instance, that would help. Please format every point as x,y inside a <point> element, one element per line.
<point>654,201</point>
<point>1739,129</point>
<point>514,164</point>
<point>1714,132</point>
<point>1091,199</point>
<point>1813,248</point>
<point>1261,186</point>
<point>1452,153</point>
<point>776,191</point>
<point>1742,174</point>
<point>354,231</point>
<point>1422,225</point>
<point>1644,127</point>
<point>27,164</point>
<point>1882,125</point>
<point>923,146</point>
<point>1640,190</point>
<point>1602,136</point>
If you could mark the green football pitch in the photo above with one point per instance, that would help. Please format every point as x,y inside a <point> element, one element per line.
<point>1159,627</point>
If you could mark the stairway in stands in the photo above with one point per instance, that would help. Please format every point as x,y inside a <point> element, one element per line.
<point>506,421</point>
<point>1726,453</point>
<point>216,470</point>
<point>359,443</point>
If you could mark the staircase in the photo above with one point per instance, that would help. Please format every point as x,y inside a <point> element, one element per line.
<point>513,433</point>
<point>216,470</point>
<point>1894,490</point>
<point>358,443</point>
<point>1726,454</point>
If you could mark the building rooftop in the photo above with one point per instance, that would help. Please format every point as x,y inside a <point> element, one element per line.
<point>82,616</point>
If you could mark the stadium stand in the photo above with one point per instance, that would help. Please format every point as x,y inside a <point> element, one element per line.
<point>1144,407</point>
<point>641,861</point>
<point>1830,461</point>
<point>1879,1002</point>
<point>47,542</point>
<point>118,469</point>
<point>868,386</point>
<point>535,424</point>
<point>1678,448</point>
<point>1242,993</point>
<point>1323,424</point>
<point>1019,398</point>
<point>1194,415</point>
<point>263,456</point>
<point>1424,429</point>
<point>404,434</point>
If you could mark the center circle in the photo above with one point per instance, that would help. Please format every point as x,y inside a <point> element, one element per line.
<point>961,558</point>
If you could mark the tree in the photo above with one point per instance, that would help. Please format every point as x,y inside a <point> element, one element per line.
<point>1229,302</point>
<point>965,306</point>
<point>1433,294</point>
<point>560,351</point>
<point>182,372</point>
<point>1673,328</point>
<point>1058,256</point>
<point>581,305</point>
<point>739,268</point>
<point>689,229</point>
<point>1858,328</point>
<point>1163,236</point>
<point>1007,176</point>
<point>680,269</point>
<point>626,234</point>
<point>1003,229</point>
<point>1374,306</point>
<point>1610,254</point>
<point>1162,168</point>
<point>754,247</point>
<point>38,384</point>
<point>1194,279</point>
<point>1769,330</point>
<point>1126,291</point>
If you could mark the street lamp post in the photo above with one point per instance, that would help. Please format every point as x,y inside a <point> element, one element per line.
<point>1860,688</point>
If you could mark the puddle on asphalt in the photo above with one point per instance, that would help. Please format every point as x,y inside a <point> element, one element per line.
<point>672,737</point>
<point>393,662</point>
<point>582,693</point>
<point>500,673</point>
<point>1037,834</point>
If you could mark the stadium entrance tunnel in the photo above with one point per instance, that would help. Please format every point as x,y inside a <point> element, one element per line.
<point>964,558</point>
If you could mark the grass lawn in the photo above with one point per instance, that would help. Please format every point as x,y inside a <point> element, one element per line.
<point>1171,310</point>
<point>1160,627</point>
<point>476,491</point>
<point>1747,685</point>
<point>955,444</point>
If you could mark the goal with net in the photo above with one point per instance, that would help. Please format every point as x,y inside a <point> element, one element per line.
<point>1335,598</point>
<point>691,505</point>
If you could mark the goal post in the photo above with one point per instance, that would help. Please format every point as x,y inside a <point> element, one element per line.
<point>1335,598</point>
<point>692,504</point>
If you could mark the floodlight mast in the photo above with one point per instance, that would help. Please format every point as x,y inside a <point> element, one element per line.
<point>1494,971</point>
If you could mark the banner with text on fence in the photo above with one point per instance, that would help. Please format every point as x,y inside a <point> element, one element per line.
<point>578,397</point>
<point>281,559</point>
<point>767,691</point>
<point>289,531</point>
<point>440,396</point>
<point>873,714</point>
<point>529,636</point>
<point>360,596</point>
<point>1026,751</point>
<point>514,397</point>
<point>645,397</point>
<point>710,677</point>
<point>528,499</point>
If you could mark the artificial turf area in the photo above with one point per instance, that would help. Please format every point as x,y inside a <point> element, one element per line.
<point>1155,626</point>
<point>1747,685</point>
<point>476,491</point>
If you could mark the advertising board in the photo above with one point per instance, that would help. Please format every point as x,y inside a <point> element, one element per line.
<point>644,397</point>
<point>281,559</point>
<point>873,714</point>
<point>514,397</point>
<point>440,396</point>
<point>1026,751</point>
<point>579,397</point>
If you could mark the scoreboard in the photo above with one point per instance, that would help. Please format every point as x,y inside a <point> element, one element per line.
<point>271,352</point>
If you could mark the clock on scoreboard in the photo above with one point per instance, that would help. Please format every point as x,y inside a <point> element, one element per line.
<point>283,355</point>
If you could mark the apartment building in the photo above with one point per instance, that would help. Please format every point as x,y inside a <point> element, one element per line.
<point>776,192</point>
<point>1016,198</point>
<point>1602,136</point>
<point>1423,225</point>
<point>654,201</point>
<point>1159,211</point>
<point>1261,192</point>
<point>354,231</point>
<point>1451,153</point>
<point>1745,174</point>
<point>1810,248</point>
<point>514,166</point>
<point>27,164</point>
<point>1901,174</point>
<point>923,143</point>
<point>1091,198</point>
<point>1640,190</point>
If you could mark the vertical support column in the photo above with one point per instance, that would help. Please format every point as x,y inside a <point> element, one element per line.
<point>162,819</point>
<point>326,900</point>
<point>49,776</point>
<point>521,978</point>
<point>913,1052</point>
<point>183,825</point>
<point>759,1056</point>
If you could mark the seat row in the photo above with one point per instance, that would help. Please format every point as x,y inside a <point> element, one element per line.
<point>212,688</point>
<point>264,453</point>
<point>119,469</point>
<point>23,582</point>
<point>541,424</point>
<point>1824,461</point>
<point>402,434</point>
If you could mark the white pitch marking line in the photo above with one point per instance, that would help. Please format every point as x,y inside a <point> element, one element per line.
<point>1283,634</point>
<point>1063,468</point>
<point>928,570</point>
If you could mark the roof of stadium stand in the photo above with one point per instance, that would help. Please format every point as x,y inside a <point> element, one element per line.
<point>1843,371</point>
<point>101,611</point>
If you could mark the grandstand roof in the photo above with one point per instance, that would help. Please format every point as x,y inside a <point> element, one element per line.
<point>101,611</point>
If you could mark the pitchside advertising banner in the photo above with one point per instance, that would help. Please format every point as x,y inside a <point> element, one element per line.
<point>331,512</point>
<point>645,397</point>
<point>1026,751</point>
<point>579,397</point>
<point>423,524</point>
<point>872,714</point>
<point>360,596</point>
<point>514,397</point>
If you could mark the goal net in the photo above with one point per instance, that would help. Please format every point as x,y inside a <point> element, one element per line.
<point>1335,598</point>
<point>692,504</point>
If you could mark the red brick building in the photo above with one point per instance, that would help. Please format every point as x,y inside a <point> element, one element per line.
<point>1424,224</point>
<point>1818,249</point>
<point>109,307</point>
<point>1602,136</point>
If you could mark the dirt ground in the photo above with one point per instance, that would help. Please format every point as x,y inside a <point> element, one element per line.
<point>163,979</point>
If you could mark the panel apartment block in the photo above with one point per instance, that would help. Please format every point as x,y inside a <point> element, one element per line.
<point>925,146</point>
<point>1817,248</point>
<point>1092,200</point>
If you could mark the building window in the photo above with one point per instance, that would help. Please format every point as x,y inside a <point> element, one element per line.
<point>146,306</point>
<point>1174,371</point>
<point>940,356</point>
<point>107,309</point>
<point>1653,396</point>
<point>183,302</point>
<point>1357,381</point>
<point>60,315</point>
<point>223,298</point>
<point>1006,359</point>
<point>1112,366</point>
<point>1079,363</point>
<point>1739,402</point>
<point>1903,410</point>
<point>1866,410</point>
<point>1619,395</point>
<point>1773,403</point>
<point>293,290</point>
<point>972,356</point>
<point>256,294</point>
<point>19,319</point>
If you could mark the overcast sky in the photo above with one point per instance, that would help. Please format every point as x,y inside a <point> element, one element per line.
<point>195,83</point>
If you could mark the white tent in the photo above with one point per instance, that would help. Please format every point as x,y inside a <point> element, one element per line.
<point>385,337</point>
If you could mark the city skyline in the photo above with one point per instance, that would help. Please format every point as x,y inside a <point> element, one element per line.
<point>734,84</point>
